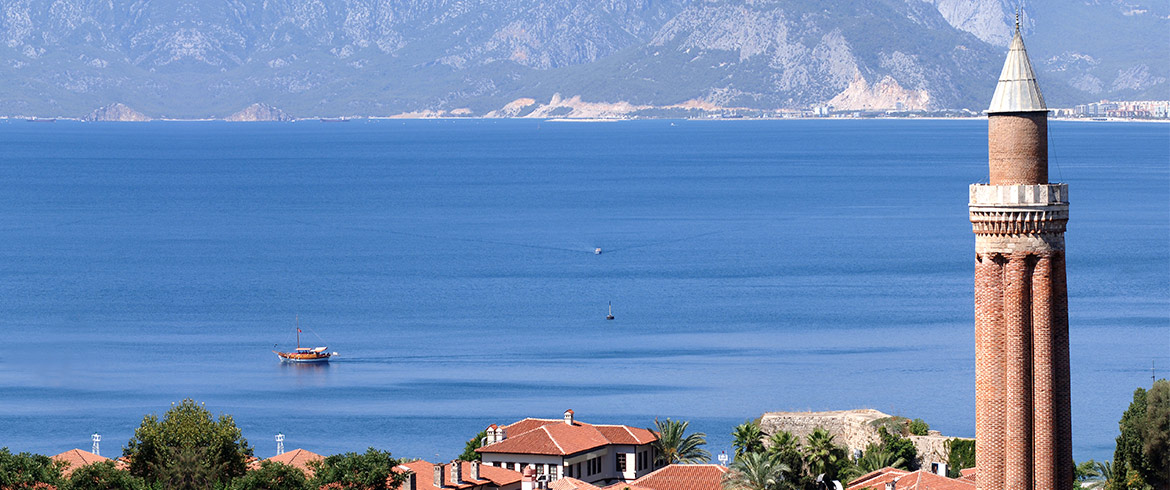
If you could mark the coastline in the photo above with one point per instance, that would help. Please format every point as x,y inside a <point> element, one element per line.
<point>569,119</point>
<point>8,119</point>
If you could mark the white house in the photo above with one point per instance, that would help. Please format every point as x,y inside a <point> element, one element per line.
<point>596,454</point>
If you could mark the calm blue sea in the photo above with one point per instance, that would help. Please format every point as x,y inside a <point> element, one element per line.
<point>752,266</point>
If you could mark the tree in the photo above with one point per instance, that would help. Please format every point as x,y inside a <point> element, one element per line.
<point>785,449</point>
<point>919,427</point>
<point>674,445</point>
<point>1105,470</point>
<point>272,476</point>
<point>373,470</point>
<point>474,443</point>
<point>1085,472</point>
<point>823,456</point>
<point>103,475</point>
<point>188,447</point>
<point>876,457</point>
<point>758,471</point>
<point>24,470</point>
<point>901,447</point>
<point>1156,435</point>
<point>1142,455</point>
<point>747,438</point>
<point>961,456</point>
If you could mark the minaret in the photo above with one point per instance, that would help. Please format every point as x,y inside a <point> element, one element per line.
<point>1023,426</point>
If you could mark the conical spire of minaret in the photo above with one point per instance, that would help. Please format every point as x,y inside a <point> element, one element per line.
<point>1017,90</point>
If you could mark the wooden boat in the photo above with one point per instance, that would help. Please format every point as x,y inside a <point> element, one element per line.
<point>305,354</point>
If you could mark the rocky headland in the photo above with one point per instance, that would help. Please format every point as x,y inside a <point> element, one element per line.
<point>259,112</point>
<point>116,112</point>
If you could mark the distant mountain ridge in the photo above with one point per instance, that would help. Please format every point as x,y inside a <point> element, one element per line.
<point>309,58</point>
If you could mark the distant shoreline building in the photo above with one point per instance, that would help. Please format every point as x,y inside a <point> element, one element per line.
<point>1023,426</point>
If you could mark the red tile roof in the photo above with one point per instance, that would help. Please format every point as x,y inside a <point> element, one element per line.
<point>570,483</point>
<point>544,436</point>
<point>967,474</point>
<point>76,458</point>
<point>299,458</point>
<point>424,476</point>
<point>918,480</point>
<point>684,477</point>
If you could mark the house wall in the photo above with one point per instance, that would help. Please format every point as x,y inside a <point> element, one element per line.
<point>558,466</point>
<point>544,464</point>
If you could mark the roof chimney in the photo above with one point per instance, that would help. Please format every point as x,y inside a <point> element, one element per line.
<point>456,472</point>
<point>569,416</point>
<point>528,478</point>
<point>439,475</point>
<point>473,471</point>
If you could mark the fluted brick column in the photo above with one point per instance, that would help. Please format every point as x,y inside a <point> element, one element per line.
<point>1062,381</point>
<point>1018,349</point>
<point>989,371</point>
<point>1043,378</point>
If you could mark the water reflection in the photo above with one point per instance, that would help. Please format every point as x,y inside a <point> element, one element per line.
<point>307,374</point>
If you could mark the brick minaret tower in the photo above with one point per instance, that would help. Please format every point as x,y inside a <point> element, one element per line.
<point>1023,427</point>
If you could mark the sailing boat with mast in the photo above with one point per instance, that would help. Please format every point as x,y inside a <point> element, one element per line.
<point>305,354</point>
<point>610,315</point>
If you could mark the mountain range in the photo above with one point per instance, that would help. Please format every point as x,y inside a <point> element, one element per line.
<point>550,58</point>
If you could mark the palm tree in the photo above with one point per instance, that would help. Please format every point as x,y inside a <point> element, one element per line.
<point>674,445</point>
<point>747,438</point>
<point>877,457</point>
<point>785,448</point>
<point>821,455</point>
<point>783,442</point>
<point>757,471</point>
<point>1105,471</point>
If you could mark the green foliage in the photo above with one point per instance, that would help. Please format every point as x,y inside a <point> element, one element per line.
<point>823,456</point>
<point>272,476</point>
<point>785,449</point>
<point>474,443</point>
<point>370,471</point>
<point>919,427</point>
<point>894,425</point>
<point>1133,480</point>
<point>103,475</point>
<point>1084,472</point>
<point>187,448</point>
<point>1142,455</point>
<point>674,445</point>
<point>1105,471</point>
<point>747,438</point>
<point>962,456</point>
<point>758,471</point>
<point>1156,435</point>
<point>24,470</point>
<point>901,448</point>
<point>876,457</point>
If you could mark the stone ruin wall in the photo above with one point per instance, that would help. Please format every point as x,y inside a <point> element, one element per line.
<point>853,429</point>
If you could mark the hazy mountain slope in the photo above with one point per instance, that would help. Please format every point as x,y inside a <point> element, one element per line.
<point>1084,50</point>
<point>188,58</point>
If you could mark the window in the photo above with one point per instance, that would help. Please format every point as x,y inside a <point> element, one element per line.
<point>621,462</point>
<point>592,466</point>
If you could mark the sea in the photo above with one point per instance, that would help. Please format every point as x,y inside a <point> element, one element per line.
<point>751,265</point>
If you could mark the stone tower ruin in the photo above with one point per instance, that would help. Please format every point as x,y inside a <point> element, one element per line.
<point>1023,426</point>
